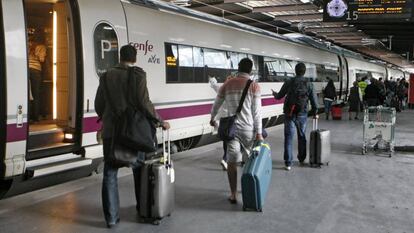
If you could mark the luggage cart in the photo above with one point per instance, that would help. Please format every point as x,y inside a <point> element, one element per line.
<point>379,129</point>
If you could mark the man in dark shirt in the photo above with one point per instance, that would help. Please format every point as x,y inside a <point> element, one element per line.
<point>297,92</point>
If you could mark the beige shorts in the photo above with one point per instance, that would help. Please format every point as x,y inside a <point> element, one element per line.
<point>238,149</point>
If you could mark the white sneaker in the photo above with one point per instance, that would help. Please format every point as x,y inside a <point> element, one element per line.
<point>287,168</point>
<point>224,165</point>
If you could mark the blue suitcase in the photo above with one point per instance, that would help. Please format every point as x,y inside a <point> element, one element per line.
<point>256,177</point>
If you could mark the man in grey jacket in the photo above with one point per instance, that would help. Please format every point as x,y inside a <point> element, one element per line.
<point>118,83</point>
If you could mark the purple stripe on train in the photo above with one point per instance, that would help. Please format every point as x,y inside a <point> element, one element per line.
<point>15,133</point>
<point>90,124</point>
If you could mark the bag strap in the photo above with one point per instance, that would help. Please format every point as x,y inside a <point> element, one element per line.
<point>246,88</point>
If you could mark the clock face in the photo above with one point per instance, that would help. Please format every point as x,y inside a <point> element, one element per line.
<point>336,8</point>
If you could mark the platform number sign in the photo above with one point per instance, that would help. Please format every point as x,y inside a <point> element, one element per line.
<point>368,10</point>
<point>106,48</point>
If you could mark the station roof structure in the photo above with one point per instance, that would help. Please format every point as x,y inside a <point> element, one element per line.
<point>389,42</point>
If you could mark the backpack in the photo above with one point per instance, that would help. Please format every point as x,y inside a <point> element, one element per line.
<point>298,96</point>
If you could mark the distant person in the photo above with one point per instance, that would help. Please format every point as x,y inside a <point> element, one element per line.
<point>118,83</point>
<point>298,92</point>
<point>354,101</point>
<point>402,93</point>
<point>383,92</point>
<point>37,56</point>
<point>329,96</point>
<point>248,121</point>
<point>372,94</point>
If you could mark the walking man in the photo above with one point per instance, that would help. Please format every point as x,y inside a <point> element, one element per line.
<point>117,84</point>
<point>248,122</point>
<point>298,91</point>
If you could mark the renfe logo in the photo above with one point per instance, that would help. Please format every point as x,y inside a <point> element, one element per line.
<point>143,47</point>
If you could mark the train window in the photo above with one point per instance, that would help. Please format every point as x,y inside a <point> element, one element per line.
<point>217,64</point>
<point>171,55</point>
<point>106,48</point>
<point>311,72</point>
<point>234,60</point>
<point>324,72</point>
<point>198,54</point>
<point>186,64</point>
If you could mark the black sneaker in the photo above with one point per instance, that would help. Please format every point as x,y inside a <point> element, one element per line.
<point>301,163</point>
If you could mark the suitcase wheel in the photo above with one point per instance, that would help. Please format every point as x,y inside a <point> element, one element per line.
<point>259,210</point>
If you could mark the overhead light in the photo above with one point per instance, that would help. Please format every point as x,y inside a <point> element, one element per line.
<point>54,64</point>
<point>305,1</point>
<point>244,49</point>
<point>320,10</point>
<point>225,46</point>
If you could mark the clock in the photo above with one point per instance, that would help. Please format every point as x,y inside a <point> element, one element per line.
<point>336,8</point>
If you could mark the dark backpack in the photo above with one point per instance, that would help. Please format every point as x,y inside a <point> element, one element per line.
<point>298,96</point>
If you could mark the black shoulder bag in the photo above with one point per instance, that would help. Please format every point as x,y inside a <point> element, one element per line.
<point>227,127</point>
<point>132,129</point>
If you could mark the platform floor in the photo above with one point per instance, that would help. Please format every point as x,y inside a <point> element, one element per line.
<point>354,194</point>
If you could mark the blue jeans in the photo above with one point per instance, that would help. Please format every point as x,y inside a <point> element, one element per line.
<point>298,122</point>
<point>328,106</point>
<point>110,195</point>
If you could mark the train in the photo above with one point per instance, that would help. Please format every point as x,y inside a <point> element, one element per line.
<point>179,48</point>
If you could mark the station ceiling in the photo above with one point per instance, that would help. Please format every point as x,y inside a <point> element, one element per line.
<point>390,42</point>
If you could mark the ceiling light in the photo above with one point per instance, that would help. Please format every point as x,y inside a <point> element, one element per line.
<point>320,10</point>
<point>305,1</point>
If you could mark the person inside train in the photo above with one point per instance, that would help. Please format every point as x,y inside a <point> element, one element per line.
<point>372,94</point>
<point>248,123</point>
<point>117,84</point>
<point>37,56</point>
<point>354,100</point>
<point>298,91</point>
<point>329,96</point>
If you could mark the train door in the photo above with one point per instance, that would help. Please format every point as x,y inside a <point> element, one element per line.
<point>53,80</point>
<point>2,95</point>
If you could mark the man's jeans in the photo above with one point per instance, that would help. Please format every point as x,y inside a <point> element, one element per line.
<point>298,121</point>
<point>110,195</point>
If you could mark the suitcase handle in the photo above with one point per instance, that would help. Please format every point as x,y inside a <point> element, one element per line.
<point>166,152</point>
<point>315,123</point>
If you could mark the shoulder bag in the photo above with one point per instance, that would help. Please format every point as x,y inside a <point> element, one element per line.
<point>132,129</point>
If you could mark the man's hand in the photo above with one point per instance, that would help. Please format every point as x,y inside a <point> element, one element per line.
<point>259,137</point>
<point>213,123</point>
<point>165,125</point>
<point>274,93</point>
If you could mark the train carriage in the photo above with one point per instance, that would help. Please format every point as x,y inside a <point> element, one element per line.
<point>180,49</point>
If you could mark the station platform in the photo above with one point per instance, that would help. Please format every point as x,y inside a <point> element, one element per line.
<point>355,193</point>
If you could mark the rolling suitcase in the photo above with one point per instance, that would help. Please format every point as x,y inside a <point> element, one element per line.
<point>320,146</point>
<point>256,177</point>
<point>336,112</point>
<point>157,194</point>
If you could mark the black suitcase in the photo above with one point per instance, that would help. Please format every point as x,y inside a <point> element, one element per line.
<point>319,146</point>
<point>157,196</point>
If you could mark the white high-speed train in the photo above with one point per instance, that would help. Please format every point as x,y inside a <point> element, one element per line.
<point>177,47</point>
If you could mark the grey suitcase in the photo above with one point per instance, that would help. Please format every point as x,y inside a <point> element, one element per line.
<point>157,192</point>
<point>319,146</point>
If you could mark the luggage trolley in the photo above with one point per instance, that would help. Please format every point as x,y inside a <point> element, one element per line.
<point>379,129</point>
